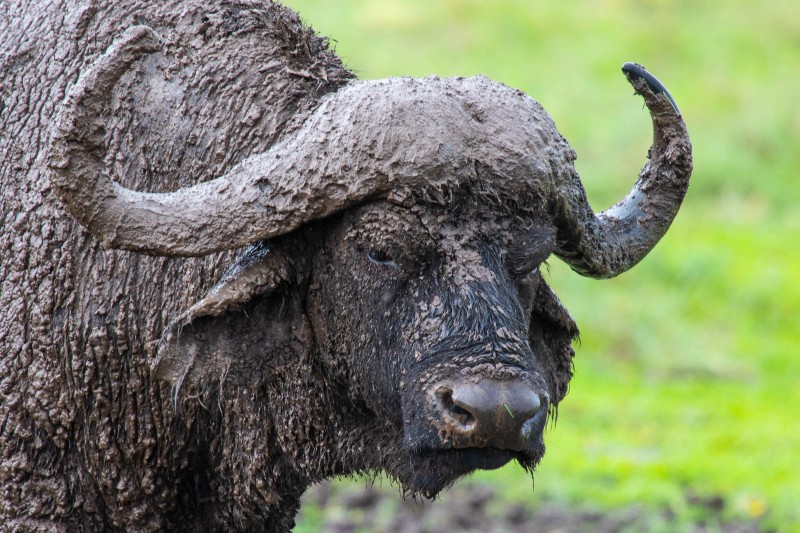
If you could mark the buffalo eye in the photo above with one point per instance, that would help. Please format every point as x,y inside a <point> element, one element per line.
<point>523,268</point>
<point>381,258</point>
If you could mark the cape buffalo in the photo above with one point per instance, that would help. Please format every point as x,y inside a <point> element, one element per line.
<point>230,270</point>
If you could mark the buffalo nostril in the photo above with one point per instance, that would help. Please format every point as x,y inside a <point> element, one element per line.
<point>459,413</point>
<point>521,402</point>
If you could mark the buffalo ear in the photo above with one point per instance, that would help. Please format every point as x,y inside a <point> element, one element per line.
<point>553,327</point>
<point>235,329</point>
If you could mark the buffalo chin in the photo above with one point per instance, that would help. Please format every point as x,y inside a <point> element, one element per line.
<point>433,470</point>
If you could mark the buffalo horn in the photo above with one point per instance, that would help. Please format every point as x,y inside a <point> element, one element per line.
<point>608,243</point>
<point>432,134</point>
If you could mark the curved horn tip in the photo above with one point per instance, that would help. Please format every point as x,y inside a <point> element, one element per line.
<point>606,244</point>
<point>635,71</point>
<point>142,37</point>
<point>134,43</point>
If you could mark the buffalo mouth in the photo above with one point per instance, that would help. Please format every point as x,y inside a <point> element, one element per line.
<point>434,469</point>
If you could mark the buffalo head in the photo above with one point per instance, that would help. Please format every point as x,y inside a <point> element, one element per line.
<point>395,241</point>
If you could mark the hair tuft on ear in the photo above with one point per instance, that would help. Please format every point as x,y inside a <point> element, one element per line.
<point>240,320</point>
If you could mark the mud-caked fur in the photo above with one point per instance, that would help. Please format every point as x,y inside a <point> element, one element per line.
<point>90,440</point>
<point>396,230</point>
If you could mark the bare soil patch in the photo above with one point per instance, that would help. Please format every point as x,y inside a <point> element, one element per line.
<point>474,507</point>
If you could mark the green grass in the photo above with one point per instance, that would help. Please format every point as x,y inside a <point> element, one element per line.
<point>688,374</point>
<point>695,388</point>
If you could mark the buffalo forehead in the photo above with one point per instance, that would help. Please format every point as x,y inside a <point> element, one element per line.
<point>444,229</point>
<point>458,123</point>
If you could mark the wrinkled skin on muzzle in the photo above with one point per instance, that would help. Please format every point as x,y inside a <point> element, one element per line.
<point>438,320</point>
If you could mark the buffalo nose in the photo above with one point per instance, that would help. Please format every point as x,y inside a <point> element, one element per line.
<point>500,414</point>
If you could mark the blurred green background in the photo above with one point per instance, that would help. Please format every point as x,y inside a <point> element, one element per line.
<point>687,384</point>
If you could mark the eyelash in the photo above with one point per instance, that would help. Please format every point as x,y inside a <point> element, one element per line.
<point>381,258</point>
<point>523,273</point>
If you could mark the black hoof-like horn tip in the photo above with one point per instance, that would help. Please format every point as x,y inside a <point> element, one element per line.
<point>636,70</point>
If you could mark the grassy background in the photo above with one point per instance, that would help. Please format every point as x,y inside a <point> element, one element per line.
<point>688,374</point>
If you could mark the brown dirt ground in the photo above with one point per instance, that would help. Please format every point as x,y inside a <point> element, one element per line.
<point>473,507</point>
